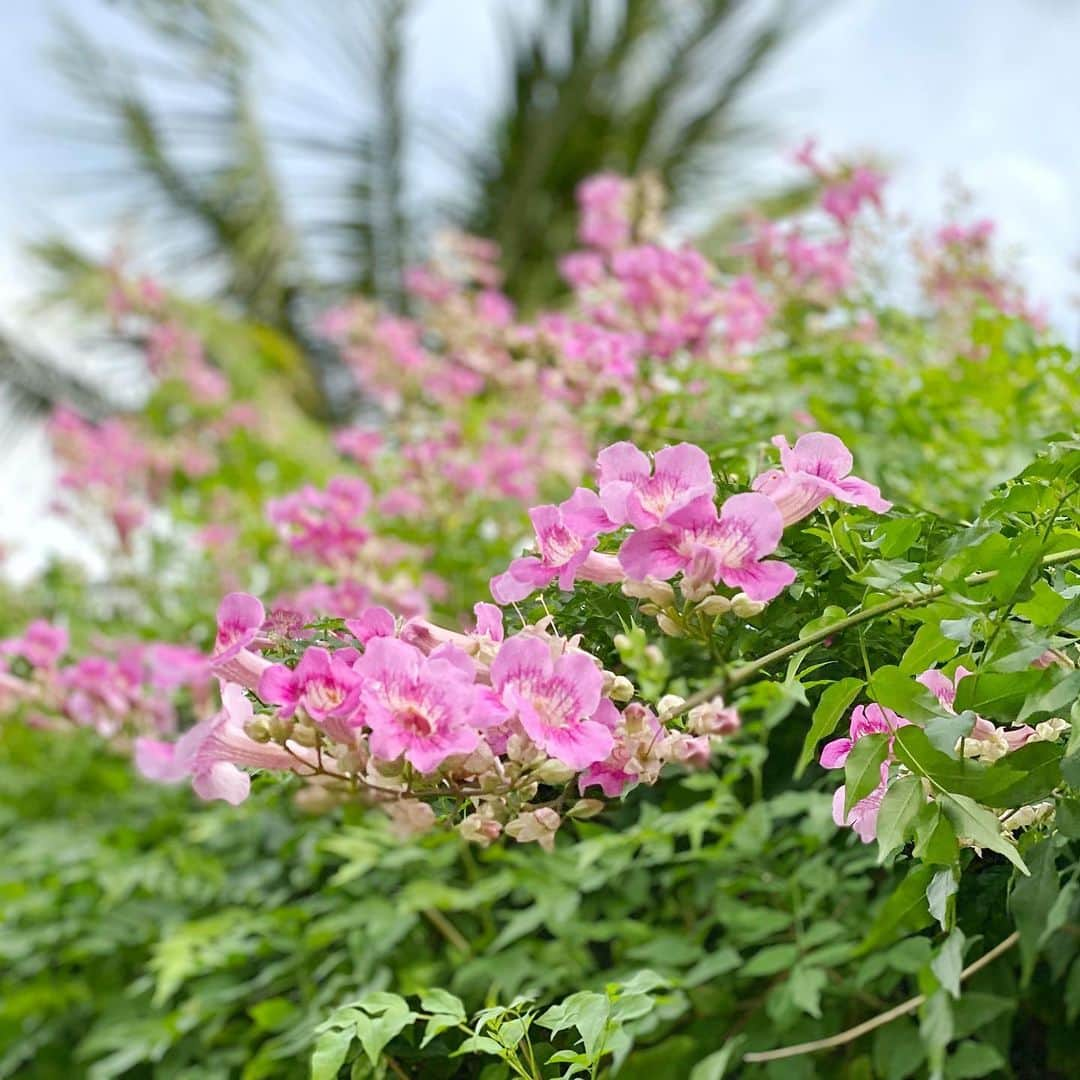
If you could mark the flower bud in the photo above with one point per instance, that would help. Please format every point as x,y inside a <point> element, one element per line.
<point>744,607</point>
<point>669,705</point>
<point>714,605</point>
<point>713,718</point>
<point>668,625</point>
<point>305,735</point>
<point>586,808</point>
<point>281,728</point>
<point>535,825</point>
<point>621,642</point>
<point>479,830</point>
<point>621,689</point>
<point>553,772</point>
<point>257,729</point>
<point>658,592</point>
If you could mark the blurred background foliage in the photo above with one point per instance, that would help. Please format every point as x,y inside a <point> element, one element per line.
<point>197,151</point>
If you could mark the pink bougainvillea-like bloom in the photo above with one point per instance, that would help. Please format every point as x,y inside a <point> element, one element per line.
<point>643,494</point>
<point>862,817</point>
<point>322,684</point>
<point>326,524</point>
<point>604,200</point>
<point>865,720</point>
<point>729,547</point>
<point>424,708</point>
<point>239,619</point>
<point>566,536</point>
<point>211,752</point>
<point>41,644</point>
<point>816,468</point>
<point>555,701</point>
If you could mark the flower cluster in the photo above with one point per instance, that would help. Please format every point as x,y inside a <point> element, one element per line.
<point>514,730</point>
<point>669,504</point>
<point>985,742</point>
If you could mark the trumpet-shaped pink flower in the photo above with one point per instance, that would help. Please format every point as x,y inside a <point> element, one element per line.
<point>942,686</point>
<point>423,708</point>
<point>729,547</point>
<point>41,644</point>
<point>321,684</point>
<point>816,468</point>
<point>862,817</point>
<point>865,720</point>
<point>566,536</point>
<point>239,619</point>
<point>944,689</point>
<point>645,494</point>
<point>554,700</point>
<point>211,752</point>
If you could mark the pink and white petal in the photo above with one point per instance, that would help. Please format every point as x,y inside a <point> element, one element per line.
<point>756,518</point>
<point>278,686</point>
<point>157,760</point>
<point>582,677</point>
<point>689,463</point>
<point>579,745</point>
<point>761,581</point>
<point>613,498</point>
<point>835,753</point>
<point>584,514</point>
<point>489,620</point>
<point>819,454</point>
<point>861,493</point>
<point>222,780</point>
<point>521,656</point>
<point>652,553</point>
<point>621,461</point>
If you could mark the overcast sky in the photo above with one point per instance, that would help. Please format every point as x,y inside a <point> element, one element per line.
<point>984,91</point>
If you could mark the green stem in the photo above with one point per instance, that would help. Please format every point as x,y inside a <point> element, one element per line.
<point>909,600</point>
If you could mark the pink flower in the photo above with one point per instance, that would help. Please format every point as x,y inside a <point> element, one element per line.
<point>554,700</point>
<point>862,817</point>
<point>604,200</point>
<point>942,686</point>
<point>815,469</point>
<point>423,708</point>
<point>865,720</point>
<point>321,684</point>
<point>566,536</point>
<point>645,494</point>
<point>211,752</point>
<point>41,644</point>
<point>239,619</point>
<point>728,547</point>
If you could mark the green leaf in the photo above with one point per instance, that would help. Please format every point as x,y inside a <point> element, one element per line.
<point>890,687</point>
<point>862,770</point>
<point>942,888</point>
<point>831,706</point>
<point>442,1001</point>
<point>805,985</point>
<point>1031,902</point>
<point>715,1066</point>
<point>935,838</point>
<point>1056,699</point>
<point>936,1027</point>
<point>999,696</point>
<point>949,962</point>
<point>897,1050</point>
<point>928,648</point>
<point>972,1059</point>
<point>902,802</point>
<point>944,732</point>
<point>331,1049</point>
<point>973,822</point>
<point>905,910</point>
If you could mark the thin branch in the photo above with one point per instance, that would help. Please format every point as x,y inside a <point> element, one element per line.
<point>910,600</point>
<point>881,1019</point>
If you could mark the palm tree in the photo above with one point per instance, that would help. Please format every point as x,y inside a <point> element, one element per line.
<point>198,148</point>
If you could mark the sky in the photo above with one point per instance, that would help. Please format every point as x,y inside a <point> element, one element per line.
<point>978,91</point>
